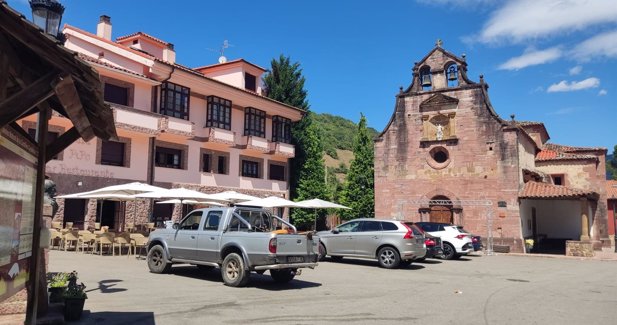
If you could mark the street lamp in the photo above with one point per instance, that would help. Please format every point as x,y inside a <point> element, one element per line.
<point>47,15</point>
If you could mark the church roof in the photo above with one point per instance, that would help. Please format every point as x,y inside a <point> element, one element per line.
<point>535,190</point>
<point>559,152</point>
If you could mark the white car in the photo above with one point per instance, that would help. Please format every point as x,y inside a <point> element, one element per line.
<point>456,241</point>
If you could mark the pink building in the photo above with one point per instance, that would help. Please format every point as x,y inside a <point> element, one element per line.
<point>208,128</point>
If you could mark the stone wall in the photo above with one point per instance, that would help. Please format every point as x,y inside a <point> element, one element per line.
<point>579,248</point>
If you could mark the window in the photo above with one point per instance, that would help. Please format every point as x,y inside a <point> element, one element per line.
<point>221,167</point>
<point>205,167</point>
<point>425,78</point>
<point>112,153</point>
<point>250,82</point>
<point>219,113</point>
<point>192,221</point>
<point>388,226</point>
<point>250,168</point>
<point>254,122</point>
<point>371,226</point>
<point>281,129</point>
<point>277,172</point>
<point>167,157</point>
<point>116,94</point>
<point>452,75</point>
<point>350,227</point>
<point>558,179</point>
<point>51,137</point>
<point>213,220</point>
<point>175,100</point>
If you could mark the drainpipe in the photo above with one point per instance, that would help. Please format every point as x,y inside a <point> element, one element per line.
<point>615,221</point>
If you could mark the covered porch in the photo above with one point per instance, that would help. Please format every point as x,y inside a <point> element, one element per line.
<point>557,219</point>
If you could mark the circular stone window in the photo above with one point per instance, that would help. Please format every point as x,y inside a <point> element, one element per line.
<point>438,158</point>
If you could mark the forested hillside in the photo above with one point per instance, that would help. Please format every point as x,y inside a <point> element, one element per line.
<point>337,133</point>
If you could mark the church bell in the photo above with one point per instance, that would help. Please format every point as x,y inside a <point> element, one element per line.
<point>426,80</point>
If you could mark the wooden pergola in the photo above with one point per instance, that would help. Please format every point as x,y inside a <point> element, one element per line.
<point>38,75</point>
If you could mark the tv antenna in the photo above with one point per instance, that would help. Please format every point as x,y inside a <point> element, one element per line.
<point>226,45</point>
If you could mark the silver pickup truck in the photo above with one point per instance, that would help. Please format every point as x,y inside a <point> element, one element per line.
<point>239,240</point>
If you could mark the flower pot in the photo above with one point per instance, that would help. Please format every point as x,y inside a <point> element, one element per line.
<point>73,307</point>
<point>55,294</point>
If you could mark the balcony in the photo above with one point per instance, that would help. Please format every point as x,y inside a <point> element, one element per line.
<point>178,126</point>
<point>221,136</point>
<point>136,120</point>
<point>282,149</point>
<point>253,142</point>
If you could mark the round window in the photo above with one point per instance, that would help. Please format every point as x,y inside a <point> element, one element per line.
<point>438,158</point>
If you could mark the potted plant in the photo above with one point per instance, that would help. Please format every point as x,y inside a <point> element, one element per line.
<point>529,245</point>
<point>74,298</point>
<point>57,285</point>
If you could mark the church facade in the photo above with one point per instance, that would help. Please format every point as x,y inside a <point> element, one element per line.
<point>447,156</point>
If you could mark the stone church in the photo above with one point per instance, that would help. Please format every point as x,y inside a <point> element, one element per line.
<point>447,156</point>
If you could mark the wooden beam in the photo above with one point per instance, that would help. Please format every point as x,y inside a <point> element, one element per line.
<point>69,98</point>
<point>15,106</point>
<point>4,76</point>
<point>62,142</point>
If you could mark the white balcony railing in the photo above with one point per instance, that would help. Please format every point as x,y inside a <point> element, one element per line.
<point>282,149</point>
<point>221,136</point>
<point>138,121</point>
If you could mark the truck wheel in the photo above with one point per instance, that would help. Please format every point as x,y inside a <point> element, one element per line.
<point>233,272</point>
<point>388,257</point>
<point>322,252</point>
<point>282,275</point>
<point>157,260</point>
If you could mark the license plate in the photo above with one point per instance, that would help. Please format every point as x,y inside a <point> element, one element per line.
<point>295,259</point>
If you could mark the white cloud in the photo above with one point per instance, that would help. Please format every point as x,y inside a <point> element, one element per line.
<point>602,92</point>
<point>563,111</point>
<point>520,20</point>
<point>564,86</point>
<point>531,57</point>
<point>457,3</point>
<point>575,70</point>
<point>604,44</point>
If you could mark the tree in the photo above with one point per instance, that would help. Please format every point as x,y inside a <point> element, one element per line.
<point>285,83</point>
<point>611,165</point>
<point>359,187</point>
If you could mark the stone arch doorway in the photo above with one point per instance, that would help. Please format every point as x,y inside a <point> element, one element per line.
<point>441,212</point>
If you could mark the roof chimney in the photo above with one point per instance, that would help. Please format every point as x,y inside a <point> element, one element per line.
<point>103,28</point>
<point>169,54</point>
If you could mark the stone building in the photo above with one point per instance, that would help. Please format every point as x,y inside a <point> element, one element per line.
<point>445,142</point>
<point>206,128</point>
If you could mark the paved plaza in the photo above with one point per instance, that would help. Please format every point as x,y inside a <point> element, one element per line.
<point>478,289</point>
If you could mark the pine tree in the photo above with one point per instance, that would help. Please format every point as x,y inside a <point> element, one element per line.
<point>285,83</point>
<point>359,187</point>
<point>611,165</point>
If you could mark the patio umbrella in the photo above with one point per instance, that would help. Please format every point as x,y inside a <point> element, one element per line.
<point>271,202</point>
<point>188,201</point>
<point>180,193</point>
<point>234,197</point>
<point>320,204</point>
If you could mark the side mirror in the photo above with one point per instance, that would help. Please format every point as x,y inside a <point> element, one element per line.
<point>335,231</point>
<point>176,226</point>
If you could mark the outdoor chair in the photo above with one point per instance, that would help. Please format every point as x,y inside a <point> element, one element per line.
<point>55,236</point>
<point>150,226</point>
<point>104,240</point>
<point>130,226</point>
<point>139,241</point>
<point>97,226</point>
<point>86,241</point>
<point>69,225</point>
<point>105,228</point>
<point>56,225</point>
<point>70,238</point>
<point>120,241</point>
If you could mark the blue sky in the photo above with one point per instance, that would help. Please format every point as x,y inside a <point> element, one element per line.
<point>552,61</point>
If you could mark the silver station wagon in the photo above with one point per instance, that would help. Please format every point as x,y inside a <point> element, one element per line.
<point>391,242</point>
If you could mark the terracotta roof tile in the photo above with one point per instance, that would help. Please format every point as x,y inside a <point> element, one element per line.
<point>552,151</point>
<point>206,67</point>
<point>145,35</point>
<point>529,123</point>
<point>611,189</point>
<point>562,148</point>
<point>148,56</point>
<point>535,190</point>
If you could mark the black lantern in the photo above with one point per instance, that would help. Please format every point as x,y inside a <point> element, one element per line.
<point>47,15</point>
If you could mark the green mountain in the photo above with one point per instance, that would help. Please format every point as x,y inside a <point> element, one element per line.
<point>337,133</point>
<point>609,170</point>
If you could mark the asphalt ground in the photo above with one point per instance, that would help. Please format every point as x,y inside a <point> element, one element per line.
<point>501,289</point>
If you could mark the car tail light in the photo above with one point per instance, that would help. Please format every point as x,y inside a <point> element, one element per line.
<point>409,234</point>
<point>272,245</point>
<point>429,242</point>
<point>461,236</point>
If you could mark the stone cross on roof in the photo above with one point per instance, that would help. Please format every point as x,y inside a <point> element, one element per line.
<point>439,42</point>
